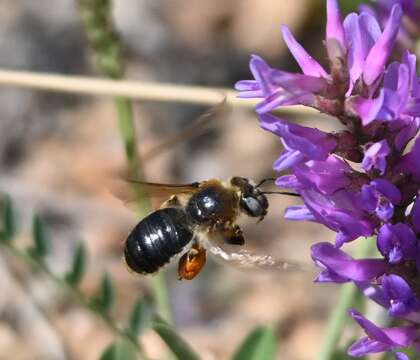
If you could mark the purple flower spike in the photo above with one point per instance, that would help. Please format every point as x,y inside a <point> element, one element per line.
<point>361,180</point>
<point>340,267</point>
<point>306,62</point>
<point>401,298</point>
<point>381,339</point>
<point>375,156</point>
<point>380,52</point>
<point>397,242</point>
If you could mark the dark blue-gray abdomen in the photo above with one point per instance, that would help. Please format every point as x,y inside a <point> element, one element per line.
<point>156,238</point>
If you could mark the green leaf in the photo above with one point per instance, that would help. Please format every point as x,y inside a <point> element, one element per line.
<point>340,354</point>
<point>42,243</point>
<point>350,6</point>
<point>120,350</point>
<point>8,229</point>
<point>260,344</point>
<point>178,345</point>
<point>78,269</point>
<point>104,298</point>
<point>138,318</point>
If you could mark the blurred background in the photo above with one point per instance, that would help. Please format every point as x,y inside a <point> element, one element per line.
<point>58,151</point>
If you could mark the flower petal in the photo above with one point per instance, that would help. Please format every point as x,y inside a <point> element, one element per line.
<point>373,331</point>
<point>311,142</point>
<point>326,176</point>
<point>366,346</point>
<point>260,69</point>
<point>343,265</point>
<point>380,52</point>
<point>297,83</point>
<point>298,213</point>
<point>401,356</point>
<point>411,162</point>
<point>375,156</point>
<point>397,242</point>
<point>388,189</point>
<point>415,215</point>
<point>288,159</point>
<point>407,133</point>
<point>380,339</point>
<point>340,212</point>
<point>361,33</point>
<point>396,287</point>
<point>335,28</point>
<point>308,65</point>
<point>367,109</point>
<point>282,98</point>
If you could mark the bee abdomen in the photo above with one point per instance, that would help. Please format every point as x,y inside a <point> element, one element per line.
<point>156,238</point>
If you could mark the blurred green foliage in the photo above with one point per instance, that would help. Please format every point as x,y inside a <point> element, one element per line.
<point>260,344</point>
<point>78,268</point>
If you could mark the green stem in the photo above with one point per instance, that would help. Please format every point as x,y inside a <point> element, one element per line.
<point>346,298</point>
<point>336,321</point>
<point>161,297</point>
<point>128,136</point>
<point>107,50</point>
<point>127,133</point>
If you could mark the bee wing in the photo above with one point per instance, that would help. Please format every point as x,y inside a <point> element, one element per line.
<point>247,260</point>
<point>128,191</point>
<point>196,128</point>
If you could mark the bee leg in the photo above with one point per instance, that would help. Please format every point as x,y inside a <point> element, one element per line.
<point>261,218</point>
<point>192,262</point>
<point>235,236</point>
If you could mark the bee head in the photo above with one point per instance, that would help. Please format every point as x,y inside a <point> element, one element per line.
<point>252,200</point>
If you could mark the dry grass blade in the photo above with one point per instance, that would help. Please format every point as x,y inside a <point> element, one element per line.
<point>133,89</point>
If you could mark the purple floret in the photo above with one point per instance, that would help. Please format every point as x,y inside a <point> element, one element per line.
<point>381,339</point>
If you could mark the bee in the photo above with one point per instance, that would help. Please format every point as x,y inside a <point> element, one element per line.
<point>197,217</point>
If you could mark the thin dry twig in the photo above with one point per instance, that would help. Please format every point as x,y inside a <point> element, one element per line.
<point>132,89</point>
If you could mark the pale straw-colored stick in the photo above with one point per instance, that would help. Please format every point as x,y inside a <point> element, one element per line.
<point>131,89</point>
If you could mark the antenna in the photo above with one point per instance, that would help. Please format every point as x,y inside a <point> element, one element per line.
<point>265,180</point>
<point>274,192</point>
<point>280,193</point>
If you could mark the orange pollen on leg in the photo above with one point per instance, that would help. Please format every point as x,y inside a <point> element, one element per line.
<point>191,263</point>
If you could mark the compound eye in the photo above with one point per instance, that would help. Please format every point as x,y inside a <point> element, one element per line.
<point>253,206</point>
